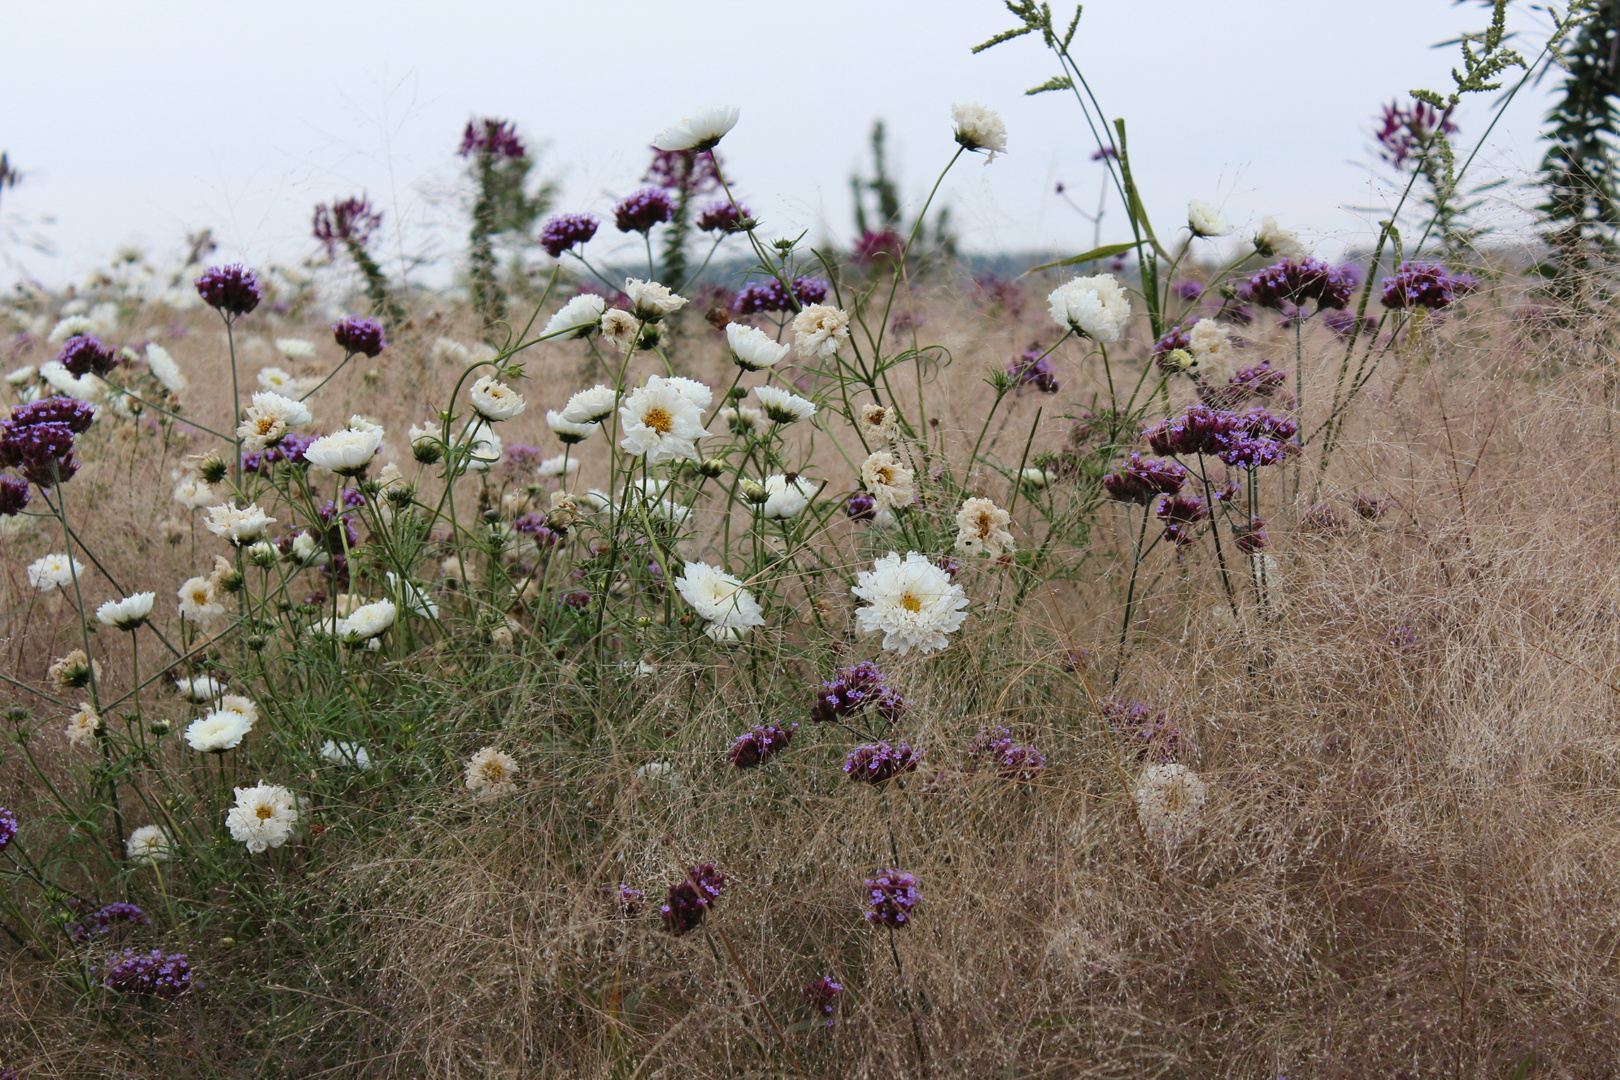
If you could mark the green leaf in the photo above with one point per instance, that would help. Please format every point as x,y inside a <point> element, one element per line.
<point>1056,82</point>
<point>1107,251</point>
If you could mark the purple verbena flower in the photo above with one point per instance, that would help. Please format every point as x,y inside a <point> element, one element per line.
<point>1171,340</point>
<point>75,414</point>
<point>347,221</point>
<point>1187,290</point>
<point>1252,537</point>
<point>890,897</point>
<point>884,244</point>
<point>759,743</point>
<point>626,901</point>
<point>684,170</point>
<point>1343,323</point>
<point>724,216</point>
<point>1408,131</point>
<point>1139,479</point>
<point>690,900</point>
<point>496,138</point>
<point>820,994</point>
<point>231,290</point>
<point>8,827</point>
<point>1033,369</point>
<point>1198,430</point>
<point>1144,731</point>
<point>83,354</point>
<point>14,496</point>
<point>641,211</point>
<point>1260,380</point>
<point>1179,514</point>
<point>854,689</point>
<point>41,451</point>
<point>772,295</point>
<point>357,335</point>
<point>1298,281</point>
<point>563,232</point>
<point>860,506</point>
<point>996,748</point>
<point>104,919</point>
<point>168,977</point>
<point>878,762</point>
<point>1427,285</point>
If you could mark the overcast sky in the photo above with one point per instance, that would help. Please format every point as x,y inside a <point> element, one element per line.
<point>140,121</point>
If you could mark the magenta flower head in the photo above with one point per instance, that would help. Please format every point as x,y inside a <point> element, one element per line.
<point>995,747</point>
<point>820,995</point>
<point>860,507</point>
<point>1343,323</point>
<point>1260,380</point>
<point>763,741</point>
<point>878,762</point>
<point>1198,430</point>
<point>853,690</point>
<point>1180,514</point>
<point>104,920</point>
<point>14,496</point>
<point>723,217</point>
<point>346,221</point>
<point>494,138</point>
<point>1408,131</point>
<point>691,899</point>
<point>230,290</point>
<point>357,335</point>
<point>872,247</point>
<point>1033,369</point>
<point>1251,538</point>
<point>641,211</point>
<point>1139,479</point>
<point>890,897</point>
<point>155,974</point>
<point>41,451</point>
<point>1426,285</point>
<point>83,354</point>
<point>76,415</point>
<point>563,232</point>
<point>1301,281</point>
<point>8,827</point>
<point>1144,731</point>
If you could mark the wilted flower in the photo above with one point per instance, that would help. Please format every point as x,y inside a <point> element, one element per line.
<point>231,290</point>
<point>1426,285</point>
<point>690,900</point>
<point>889,482</point>
<point>752,349</point>
<point>563,232</point>
<point>490,772</point>
<point>166,976</point>
<point>73,671</point>
<point>1169,799</point>
<point>890,897</point>
<point>264,816</point>
<point>355,335</point>
<point>1139,479</point>
<point>641,211</point>
<point>703,130</point>
<point>346,753</point>
<point>576,319</point>
<point>83,726</point>
<point>53,572</point>
<point>1094,306</point>
<point>979,128</point>
<point>128,613</point>
<point>622,330</point>
<point>982,528</point>
<point>150,844</point>
<point>762,741</point>
<point>1204,220</point>
<point>878,423</point>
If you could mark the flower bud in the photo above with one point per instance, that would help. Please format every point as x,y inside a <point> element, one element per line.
<point>159,727</point>
<point>754,491</point>
<point>426,452</point>
<point>711,467</point>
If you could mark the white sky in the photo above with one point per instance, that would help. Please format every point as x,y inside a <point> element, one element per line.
<point>138,121</point>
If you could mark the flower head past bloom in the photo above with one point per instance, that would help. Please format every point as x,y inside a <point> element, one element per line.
<point>126,614</point>
<point>1169,799</point>
<point>1204,220</point>
<point>490,772</point>
<point>563,232</point>
<point>982,528</point>
<point>819,330</point>
<point>878,762</point>
<point>663,419</point>
<point>230,290</point>
<point>890,897</point>
<point>911,601</point>
<point>1094,306</point>
<point>1139,479</point>
<point>83,726</point>
<point>149,844</point>
<point>494,400</point>
<point>759,743</point>
<point>979,128</point>
<point>690,899</point>
<point>1427,285</point>
<point>53,572</point>
<point>264,816</point>
<point>355,335</point>
<point>701,131</point>
<point>888,481</point>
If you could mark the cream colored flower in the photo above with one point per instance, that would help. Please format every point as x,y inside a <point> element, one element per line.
<point>591,406</point>
<point>575,319</point>
<point>268,418</point>
<point>490,772</point>
<point>889,482</point>
<point>819,331</point>
<point>783,407</point>
<point>911,602</point>
<point>346,753</point>
<point>494,400</point>
<point>717,597</point>
<point>1272,241</point>
<point>164,369</point>
<point>200,689</point>
<point>1169,800</point>
<point>982,528</point>
<point>662,421</point>
<point>651,301</point>
<point>347,452</point>
<point>194,493</point>
<point>703,130</point>
<point>979,128</point>
<point>367,621</point>
<point>50,572</point>
<point>1212,351</point>
<point>83,726</point>
<point>753,349</point>
<point>1204,220</point>
<point>73,671</point>
<point>879,423</point>
<point>1094,306</point>
<point>149,844</point>
<point>620,329</point>
<point>126,614</point>
<point>1036,479</point>
<point>199,601</point>
<point>568,431</point>
<point>219,731</point>
<point>295,348</point>
<point>264,816</point>
<point>239,526</point>
<point>786,498</point>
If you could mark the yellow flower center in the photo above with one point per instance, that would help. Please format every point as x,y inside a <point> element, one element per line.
<point>910,603</point>
<point>984,526</point>
<point>884,474</point>
<point>265,813</point>
<point>494,771</point>
<point>659,420</point>
<point>266,425</point>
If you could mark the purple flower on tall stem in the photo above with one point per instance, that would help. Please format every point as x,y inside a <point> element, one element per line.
<point>1139,479</point>
<point>230,290</point>
<point>497,138</point>
<point>820,995</point>
<point>852,690</point>
<point>641,211</point>
<point>1180,513</point>
<point>692,171</point>
<point>690,900</point>
<point>872,247</point>
<point>1252,537</point>
<point>8,827</point>
<point>1408,131</point>
<point>1033,369</point>
<point>860,506</point>
<point>346,221</point>
<point>1171,340</point>
<point>996,748</point>
<point>878,762</point>
<point>1198,430</point>
<point>772,295</point>
<point>724,216</point>
<point>75,414</point>
<point>104,919</point>
<point>1300,281</point>
<point>168,977</point>
<point>1427,285</point>
<point>41,451</point>
<point>14,496</point>
<point>1260,380</point>
<point>1145,731</point>
<point>357,335</point>
<point>1343,323</point>
<point>564,232</point>
<point>763,741</point>
<point>84,354</point>
<point>890,897</point>
<point>1187,290</point>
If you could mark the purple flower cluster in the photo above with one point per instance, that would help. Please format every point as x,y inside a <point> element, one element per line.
<point>885,244</point>
<point>626,901</point>
<point>1262,380</point>
<point>723,217</point>
<point>1169,341</point>
<point>853,689</point>
<point>1297,281</point>
<point>820,995</point>
<point>1187,290</point>
<point>290,449</point>
<point>230,290</point>
<point>564,232</point>
<point>349,221</point>
<point>38,442</point>
<point>1146,732</point>
<point>1343,323</point>
<point>1407,131</point>
<point>83,354</point>
<point>641,211</point>
<point>1427,285</point>
<point>535,526</point>
<point>1252,537</point>
<point>683,170</point>
<point>762,741</point>
<point>995,746</point>
<point>496,138</point>
<point>166,976</point>
<point>8,827</point>
<point>357,335</point>
<point>1248,439</point>
<point>1180,513</point>
<point>860,506</point>
<point>1033,369</point>
<point>14,496</point>
<point>1007,295</point>
<point>890,897</point>
<point>690,899</point>
<point>877,762</point>
<point>772,295</point>
<point>1139,479</point>
<point>103,920</point>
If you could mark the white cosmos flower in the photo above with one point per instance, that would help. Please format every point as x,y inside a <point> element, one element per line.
<point>53,572</point>
<point>982,528</point>
<point>305,552</point>
<point>164,369</point>
<point>346,753</point>
<point>490,772</point>
<point>661,421</point>
<point>753,349</point>
<point>365,423</point>
<point>63,381</point>
<point>82,726</point>
<point>295,348</point>
<point>279,381</point>
<point>23,375</point>
<point>264,816</point>
<point>819,330</point>
<point>1210,344</point>
<point>620,329</point>
<point>651,301</point>
<point>484,445</point>
<point>267,419</point>
<point>575,319</point>
<point>785,498</point>
<point>888,481</point>
<point>199,601</point>
<point>239,705</point>
<point>367,621</point>
<point>1094,306</point>
<point>703,130</point>
<point>721,634</point>
<point>783,407</point>
<point>217,732</point>
<point>346,452</point>
<point>561,465</point>
<point>494,400</point>
<point>149,844</point>
<point>1169,799</point>
<point>980,128</point>
<point>72,326</point>
<point>717,597</point>
<point>911,602</point>
<point>194,493</point>
<point>591,406</point>
<point>1036,478</point>
<point>238,526</point>
<point>1272,241</point>
<point>1204,220</point>
<point>699,394</point>
<point>411,597</point>
<point>128,613</point>
<point>568,431</point>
